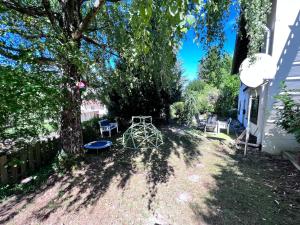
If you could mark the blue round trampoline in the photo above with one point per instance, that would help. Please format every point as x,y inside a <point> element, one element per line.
<point>98,145</point>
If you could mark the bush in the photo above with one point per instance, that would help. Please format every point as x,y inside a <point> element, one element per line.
<point>177,111</point>
<point>227,103</point>
<point>200,98</point>
<point>64,162</point>
<point>289,116</point>
<point>90,130</point>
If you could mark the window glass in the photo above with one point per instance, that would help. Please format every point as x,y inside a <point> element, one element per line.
<point>254,110</point>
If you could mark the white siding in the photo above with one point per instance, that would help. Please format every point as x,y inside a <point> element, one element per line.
<point>285,49</point>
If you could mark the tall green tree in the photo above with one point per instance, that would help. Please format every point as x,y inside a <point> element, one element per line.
<point>54,34</point>
<point>143,82</point>
<point>214,66</point>
<point>215,69</point>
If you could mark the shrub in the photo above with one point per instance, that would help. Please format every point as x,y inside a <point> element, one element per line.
<point>64,162</point>
<point>227,103</point>
<point>90,130</point>
<point>177,111</point>
<point>199,98</point>
<point>289,115</point>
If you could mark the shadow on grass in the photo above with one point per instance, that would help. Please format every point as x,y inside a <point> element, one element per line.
<point>26,194</point>
<point>88,184</point>
<point>253,190</point>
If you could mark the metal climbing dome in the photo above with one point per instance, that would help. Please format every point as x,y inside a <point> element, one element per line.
<point>142,134</point>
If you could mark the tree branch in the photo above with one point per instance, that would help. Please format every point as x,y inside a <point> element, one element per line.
<point>21,54</point>
<point>103,46</point>
<point>89,16</point>
<point>24,34</point>
<point>92,41</point>
<point>49,12</point>
<point>34,11</point>
<point>93,29</point>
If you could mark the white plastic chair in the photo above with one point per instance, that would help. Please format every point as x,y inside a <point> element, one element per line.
<point>106,126</point>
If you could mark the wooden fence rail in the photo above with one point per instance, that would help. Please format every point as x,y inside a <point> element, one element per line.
<point>18,165</point>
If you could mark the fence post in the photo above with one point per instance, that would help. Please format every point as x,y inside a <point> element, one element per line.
<point>30,158</point>
<point>49,148</point>
<point>14,169</point>
<point>23,157</point>
<point>37,148</point>
<point>3,170</point>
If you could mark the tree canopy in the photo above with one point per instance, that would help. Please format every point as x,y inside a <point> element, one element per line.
<point>214,66</point>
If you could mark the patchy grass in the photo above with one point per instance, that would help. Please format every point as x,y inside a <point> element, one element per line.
<point>248,192</point>
<point>191,179</point>
<point>220,136</point>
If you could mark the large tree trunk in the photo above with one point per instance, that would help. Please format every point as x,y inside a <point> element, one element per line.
<point>71,133</point>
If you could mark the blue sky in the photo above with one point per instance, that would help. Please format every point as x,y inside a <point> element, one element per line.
<point>190,53</point>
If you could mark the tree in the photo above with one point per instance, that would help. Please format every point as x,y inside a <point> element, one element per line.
<point>229,90</point>
<point>143,82</point>
<point>67,37</point>
<point>214,66</point>
<point>215,69</point>
<point>256,14</point>
<point>54,35</point>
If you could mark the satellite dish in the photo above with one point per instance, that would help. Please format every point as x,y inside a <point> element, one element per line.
<point>254,70</point>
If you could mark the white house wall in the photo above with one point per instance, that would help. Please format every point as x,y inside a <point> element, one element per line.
<point>286,50</point>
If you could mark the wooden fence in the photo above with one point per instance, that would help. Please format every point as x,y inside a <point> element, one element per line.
<point>20,164</point>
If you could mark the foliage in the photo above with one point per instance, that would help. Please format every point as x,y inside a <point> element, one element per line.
<point>227,103</point>
<point>256,14</point>
<point>64,162</point>
<point>177,111</point>
<point>289,116</point>
<point>200,98</point>
<point>191,105</point>
<point>207,98</point>
<point>215,69</point>
<point>210,18</point>
<point>214,66</point>
<point>29,101</point>
<point>147,82</point>
<point>90,130</point>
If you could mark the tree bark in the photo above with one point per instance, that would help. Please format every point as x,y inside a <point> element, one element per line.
<point>71,133</point>
<point>70,127</point>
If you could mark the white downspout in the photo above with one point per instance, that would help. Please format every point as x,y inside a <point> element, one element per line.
<point>264,90</point>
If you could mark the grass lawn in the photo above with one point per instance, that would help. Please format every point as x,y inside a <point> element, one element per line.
<point>191,179</point>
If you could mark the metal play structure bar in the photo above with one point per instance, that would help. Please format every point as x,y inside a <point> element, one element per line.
<point>142,134</point>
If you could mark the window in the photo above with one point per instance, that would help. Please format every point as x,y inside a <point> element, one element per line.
<point>254,110</point>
